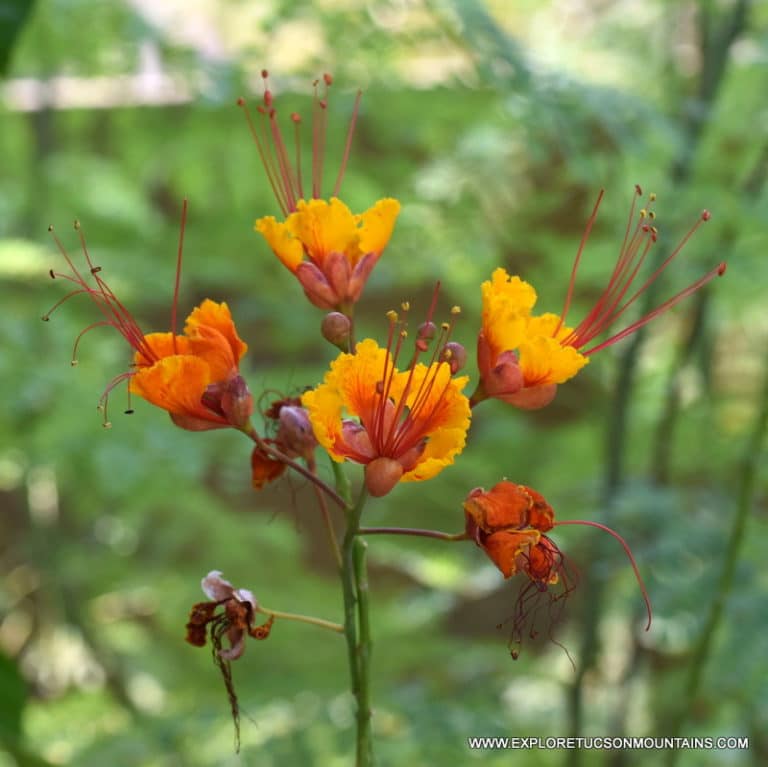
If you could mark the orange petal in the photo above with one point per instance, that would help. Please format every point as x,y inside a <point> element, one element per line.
<point>217,316</point>
<point>176,384</point>
<point>264,469</point>
<point>504,547</point>
<point>162,345</point>
<point>506,505</point>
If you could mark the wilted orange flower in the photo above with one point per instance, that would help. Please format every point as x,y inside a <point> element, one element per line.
<point>330,250</point>
<point>522,358</point>
<point>405,425</point>
<point>510,521</point>
<point>194,376</point>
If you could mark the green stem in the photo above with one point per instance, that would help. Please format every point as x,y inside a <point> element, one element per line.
<point>312,621</point>
<point>747,477</point>
<point>364,645</point>
<point>354,584</point>
<point>440,536</point>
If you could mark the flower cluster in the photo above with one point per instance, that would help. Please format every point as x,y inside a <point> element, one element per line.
<point>397,408</point>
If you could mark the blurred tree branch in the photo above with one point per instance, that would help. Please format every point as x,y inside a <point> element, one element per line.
<point>716,39</point>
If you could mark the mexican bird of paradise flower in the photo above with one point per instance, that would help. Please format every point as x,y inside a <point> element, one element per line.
<point>510,523</point>
<point>193,376</point>
<point>330,250</point>
<point>405,425</point>
<point>522,358</point>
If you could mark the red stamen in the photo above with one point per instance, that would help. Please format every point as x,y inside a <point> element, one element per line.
<point>718,271</point>
<point>577,260</point>
<point>609,307</point>
<point>627,551</point>
<point>348,144</point>
<point>177,281</point>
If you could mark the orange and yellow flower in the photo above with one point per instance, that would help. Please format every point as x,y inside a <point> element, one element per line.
<point>194,376</point>
<point>402,425</point>
<point>522,358</point>
<point>330,250</point>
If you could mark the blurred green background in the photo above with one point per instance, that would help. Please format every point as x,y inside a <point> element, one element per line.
<point>495,124</point>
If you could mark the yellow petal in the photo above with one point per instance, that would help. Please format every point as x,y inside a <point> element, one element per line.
<point>325,227</point>
<point>376,225</point>
<point>507,303</point>
<point>544,360</point>
<point>279,237</point>
<point>347,387</point>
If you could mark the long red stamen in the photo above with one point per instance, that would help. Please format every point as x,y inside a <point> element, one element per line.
<point>577,260</point>
<point>177,282</point>
<point>397,430</point>
<point>264,156</point>
<point>114,312</point>
<point>612,303</point>
<point>627,551</point>
<point>718,271</point>
<point>348,144</point>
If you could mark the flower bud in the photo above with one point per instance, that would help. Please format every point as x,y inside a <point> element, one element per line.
<point>455,355</point>
<point>336,328</point>
<point>381,475</point>
<point>295,431</point>
<point>237,402</point>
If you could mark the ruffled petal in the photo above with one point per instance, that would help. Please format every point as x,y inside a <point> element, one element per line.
<point>280,238</point>
<point>324,227</point>
<point>504,547</point>
<point>507,302</point>
<point>217,316</point>
<point>376,225</point>
<point>544,361</point>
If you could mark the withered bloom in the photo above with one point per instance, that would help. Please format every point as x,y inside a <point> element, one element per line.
<point>234,621</point>
<point>510,523</point>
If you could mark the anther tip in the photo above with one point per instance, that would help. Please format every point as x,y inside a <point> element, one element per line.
<point>76,225</point>
<point>296,117</point>
<point>50,227</point>
<point>45,318</point>
<point>74,363</point>
<point>107,424</point>
<point>721,269</point>
<point>652,197</point>
<point>240,102</point>
<point>265,73</point>
<point>705,215</point>
<point>328,79</point>
<point>52,274</point>
<point>130,411</point>
<point>456,310</point>
<point>638,190</point>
